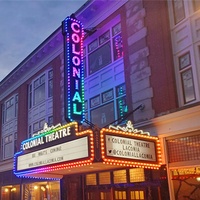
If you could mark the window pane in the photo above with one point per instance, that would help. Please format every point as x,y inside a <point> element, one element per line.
<point>119,176</point>
<point>184,61</point>
<point>107,96</point>
<point>85,67</point>
<point>103,115</point>
<point>50,90</point>
<point>179,11</point>
<point>116,29</point>
<point>104,178</point>
<point>104,38</point>
<point>188,86</point>
<point>91,179</point>
<point>10,113</point>
<point>95,101</point>
<point>8,150</point>
<point>100,58</point>
<point>39,94</point>
<point>93,45</point>
<point>137,175</point>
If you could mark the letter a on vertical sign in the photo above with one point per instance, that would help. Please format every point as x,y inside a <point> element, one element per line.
<point>73,69</point>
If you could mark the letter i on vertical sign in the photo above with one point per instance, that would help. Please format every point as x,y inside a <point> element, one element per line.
<point>73,69</point>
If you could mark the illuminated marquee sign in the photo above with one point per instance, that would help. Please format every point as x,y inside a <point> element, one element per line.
<point>48,135</point>
<point>74,71</point>
<point>70,149</point>
<point>67,151</point>
<point>133,148</point>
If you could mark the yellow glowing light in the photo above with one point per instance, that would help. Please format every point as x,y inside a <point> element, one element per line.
<point>13,189</point>
<point>35,187</point>
<point>6,190</point>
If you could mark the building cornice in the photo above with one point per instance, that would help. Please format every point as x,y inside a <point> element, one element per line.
<point>182,121</point>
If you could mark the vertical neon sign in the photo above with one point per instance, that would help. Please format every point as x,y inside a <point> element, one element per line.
<point>73,69</point>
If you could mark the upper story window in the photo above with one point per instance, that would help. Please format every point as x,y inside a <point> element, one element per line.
<point>41,88</point>
<point>186,74</point>
<point>103,49</point>
<point>104,108</point>
<point>10,109</point>
<point>179,10</point>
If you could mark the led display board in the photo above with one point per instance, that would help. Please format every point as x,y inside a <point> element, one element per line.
<point>73,69</point>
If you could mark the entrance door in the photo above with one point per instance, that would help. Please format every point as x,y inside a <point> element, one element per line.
<point>98,195</point>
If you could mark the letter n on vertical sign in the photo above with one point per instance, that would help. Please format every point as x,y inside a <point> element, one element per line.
<point>73,69</point>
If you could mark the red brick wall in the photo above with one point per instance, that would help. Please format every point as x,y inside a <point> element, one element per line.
<point>160,56</point>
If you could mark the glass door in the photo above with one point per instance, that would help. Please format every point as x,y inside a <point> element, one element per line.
<point>137,195</point>
<point>120,195</point>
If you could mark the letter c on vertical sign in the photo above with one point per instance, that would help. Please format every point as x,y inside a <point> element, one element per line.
<point>75,27</point>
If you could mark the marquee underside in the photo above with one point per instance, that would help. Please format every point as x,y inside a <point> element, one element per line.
<point>58,174</point>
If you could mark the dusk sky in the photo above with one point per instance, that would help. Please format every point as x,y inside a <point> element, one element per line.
<point>25,24</point>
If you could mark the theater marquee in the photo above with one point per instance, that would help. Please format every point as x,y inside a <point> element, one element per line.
<point>59,150</point>
<point>126,146</point>
<point>54,149</point>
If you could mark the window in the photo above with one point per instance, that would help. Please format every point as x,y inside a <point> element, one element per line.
<point>41,89</point>
<point>183,148</point>
<point>91,179</point>
<point>95,101</point>
<point>108,106</point>
<point>103,115</point>
<point>188,86</point>
<point>187,81</point>
<point>50,121</point>
<point>10,109</point>
<point>40,102</point>
<point>120,176</point>
<point>8,146</point>
<point>41,190</point>
<point>104,49</point>
<point>37,126</point>
<point>50,84</point>
<point>179,10</point>
<point>136,175</point>
<point>99,58</point>
<point>104,178</point>
<point>108,95</point>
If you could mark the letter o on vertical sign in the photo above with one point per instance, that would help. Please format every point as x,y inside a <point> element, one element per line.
<point>73,69</point>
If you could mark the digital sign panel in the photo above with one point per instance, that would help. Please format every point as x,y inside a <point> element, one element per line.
<point>73,69</point>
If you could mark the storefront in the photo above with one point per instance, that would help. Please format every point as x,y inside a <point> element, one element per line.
<point>13,188</point>
<point>92,164</point>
